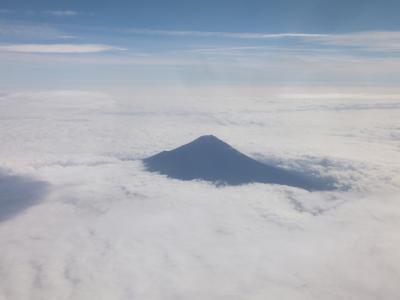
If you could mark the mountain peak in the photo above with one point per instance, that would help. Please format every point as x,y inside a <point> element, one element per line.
<point>206,143</point>
<point>211,159</point>
<point>208,138</point>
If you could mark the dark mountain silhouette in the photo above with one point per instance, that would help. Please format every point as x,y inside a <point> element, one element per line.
<point>208,158</point>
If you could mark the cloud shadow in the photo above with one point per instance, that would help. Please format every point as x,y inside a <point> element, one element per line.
<point>17,193</point>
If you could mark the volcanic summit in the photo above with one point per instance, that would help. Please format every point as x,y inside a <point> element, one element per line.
<point>211,159</point>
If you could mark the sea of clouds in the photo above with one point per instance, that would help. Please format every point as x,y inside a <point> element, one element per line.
<point>81,219</point>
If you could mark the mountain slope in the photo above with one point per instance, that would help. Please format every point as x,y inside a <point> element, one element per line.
<point>208,158</point>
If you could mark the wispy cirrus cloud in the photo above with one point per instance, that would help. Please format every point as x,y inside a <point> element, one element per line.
<point>58,48</point>
<point>372,40</point>
<point>236,35</point>
<point>368,40</point>
<point>56,13</point>
<point>378,41</point>
<point>29,30</point>
<point>62,13</point>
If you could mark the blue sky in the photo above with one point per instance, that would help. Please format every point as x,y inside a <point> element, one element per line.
<point>76,43</point>
<point>222,15</point>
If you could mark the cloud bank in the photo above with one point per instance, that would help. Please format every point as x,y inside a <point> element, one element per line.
<point>147,236</point>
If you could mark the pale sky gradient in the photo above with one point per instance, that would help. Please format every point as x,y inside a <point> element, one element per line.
<point>90,45</point>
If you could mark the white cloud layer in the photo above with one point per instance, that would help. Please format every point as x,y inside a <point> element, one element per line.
<point>106,229</point>
<point>57,48</point>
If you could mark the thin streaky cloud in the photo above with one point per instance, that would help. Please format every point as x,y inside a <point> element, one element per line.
<point>380,41</point>
<point>373,40</point>
<point>246,50</point>
<point>369,40</point>
<point>58,48</point>
<point>336,95</point>
<point>66,36</point>
<point>62,13</point>
<point>239,35</point>
<point>28,30</point>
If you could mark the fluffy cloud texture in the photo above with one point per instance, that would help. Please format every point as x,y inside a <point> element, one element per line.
<point>104,228</point>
